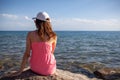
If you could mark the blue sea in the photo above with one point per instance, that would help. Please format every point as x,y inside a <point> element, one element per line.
<point>74,48</point>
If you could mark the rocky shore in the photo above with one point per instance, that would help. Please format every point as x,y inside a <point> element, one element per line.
<point>102,74</point>
<point>60,75</point>
<point>66,71</point>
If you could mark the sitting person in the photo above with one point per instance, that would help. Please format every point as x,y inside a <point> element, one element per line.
<point>41,43</point>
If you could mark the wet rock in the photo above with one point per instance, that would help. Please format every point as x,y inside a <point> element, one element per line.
<point>75,67</point>
<point>60,75</point>
<point>93,66</point>
<point>108,73</point>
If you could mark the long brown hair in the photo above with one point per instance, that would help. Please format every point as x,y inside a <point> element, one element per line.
<point>45,29</point>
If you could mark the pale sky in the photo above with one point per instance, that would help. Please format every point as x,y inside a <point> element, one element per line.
<point>75,15</point>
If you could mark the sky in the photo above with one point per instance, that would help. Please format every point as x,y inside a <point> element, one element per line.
<point>66,15</point>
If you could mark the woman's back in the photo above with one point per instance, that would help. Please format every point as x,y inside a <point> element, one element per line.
<point>42,59</point>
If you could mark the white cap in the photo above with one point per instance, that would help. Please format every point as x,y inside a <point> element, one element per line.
<point>42,16</point>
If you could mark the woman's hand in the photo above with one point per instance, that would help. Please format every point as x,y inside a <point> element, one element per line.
<point>14,73</point>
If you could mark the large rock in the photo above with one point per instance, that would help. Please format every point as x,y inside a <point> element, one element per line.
<point>60,75</point>
<point>108,73</point>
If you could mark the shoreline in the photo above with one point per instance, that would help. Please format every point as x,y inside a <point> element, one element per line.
<point>27,74</point>
<point>102,74</point>
<point>91,70</point>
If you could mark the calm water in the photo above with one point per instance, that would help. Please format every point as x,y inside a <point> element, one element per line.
<point>72,46</point>
<point>86,47</point>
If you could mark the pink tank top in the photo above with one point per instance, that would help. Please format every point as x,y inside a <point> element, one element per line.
<point>42,60</point>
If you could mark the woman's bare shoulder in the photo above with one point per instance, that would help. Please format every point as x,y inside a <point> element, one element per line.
<point>30,33</point>
<point>54,39</point>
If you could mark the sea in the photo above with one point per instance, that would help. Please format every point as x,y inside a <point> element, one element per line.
<point>75,51</point>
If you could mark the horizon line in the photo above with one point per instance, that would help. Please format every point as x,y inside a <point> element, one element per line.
<point>63,30</point>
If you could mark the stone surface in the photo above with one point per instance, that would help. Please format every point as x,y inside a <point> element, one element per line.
<point>60,75</point>
<point>108,73</point>
<point>0,67</point>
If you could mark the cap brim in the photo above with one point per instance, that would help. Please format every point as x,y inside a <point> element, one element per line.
<point>39,19</point>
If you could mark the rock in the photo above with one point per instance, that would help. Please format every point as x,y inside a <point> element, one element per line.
<point>0,67</point>
<point>108,73</point>
<point>93,66</point>
<point>60,75</point>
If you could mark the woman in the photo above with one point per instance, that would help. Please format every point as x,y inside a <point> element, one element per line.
<point>41,43</point>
